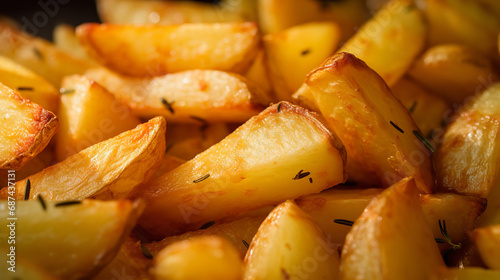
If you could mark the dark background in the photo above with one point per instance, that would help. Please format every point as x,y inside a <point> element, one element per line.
<point>39,17</point>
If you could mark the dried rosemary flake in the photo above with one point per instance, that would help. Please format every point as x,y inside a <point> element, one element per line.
<point>424,141</point>
<point>27,190</point>
<point>343,222</point>
<point>42,202</point>
<point>201,178</point>
<point>397,127</point>
<point>207,225</point>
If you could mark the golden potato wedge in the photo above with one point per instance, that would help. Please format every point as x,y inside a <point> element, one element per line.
<point>187,141</point>
<point>168,164</point>
<point>201,257</point>
<point>426,109</point>
<point>175,12</point>
<point>331,204</point>
<point>382,141</point>
<point>278,15</point>
<point>144,51</point>
<point>89,114</point>
<point>467,161</point>
<point>282,153</point>
<point>294,52</point>
<point>239,233</point>
<point>107,170</point>
<point>73,241</point>
<point>464,273</point>
<point>26,129</point>
<point>463,22</point>
<point>305,98</point>
<point>23,269</point>
<point>487,241</point>
<point>64,38</point>
<point>258,73</point>
<point>459,212</point>
<point>39,55</point>
<point>196,96</point>
<point>453,72</point>
<point>289,245</point>
<point>29,84</point>
<point>129,262</point>
<point>391,40</point>
<point>378,247</point>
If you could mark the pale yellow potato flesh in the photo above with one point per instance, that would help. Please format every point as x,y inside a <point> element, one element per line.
<point>201,257</point>
<point>108,170</point>
<point>26,128</point>
<point>391,40</point>
<point>237,232</point>
<point>377,246</point>
<point>467,161</point>
<point>24,269</point>
<point>39,55</point>
<point>278,15</point>
<point>89,114</point>
<point>459,212</point>
<point>196,96</point>
<point>463,22</point>
<point>427,110</point>
<point>378,132</point>
<point>175,12</point>
<point>29,84</point>
<point>282,153</point>
<point>487,241</point>
<point>290,245</point>
<point>153,50</point>
<point>453,72</point>
<point>70,241</point>
<point>64,37</point>
<point>294,52</point>
<point>258,73</point>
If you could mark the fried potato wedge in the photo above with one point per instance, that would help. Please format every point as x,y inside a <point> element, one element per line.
<point>144,51</point>
<point>107,170</point>
<point>459,212</point>
<point>26,129</point>
<point>464,273</point>
<point>175,12</point>
<point>463,22</point>
<point>377,246</point>
<point>168,164</point>
<point>196,96</point>
<point>89,114</point>
<point>188,147</point>
<point>24,269</point>
<point>453,72</point>
<point>129,262</point>
<point>64,37</point>
<point>29,84</point>
<point>427,110</point>
<point>201,257</point>
<point>467,161</point>
<point>73,241</point>
<point>39,55</point>
<point>287,242</point>
<point>391,40</point>
<point>294,52</point>
<point>278,15</point>
<point>487,241</point>
<point>282,153</point>
<point>381,138</point>
<point>305,98</point>
<point>258,73</point>
<point>240,233</point>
